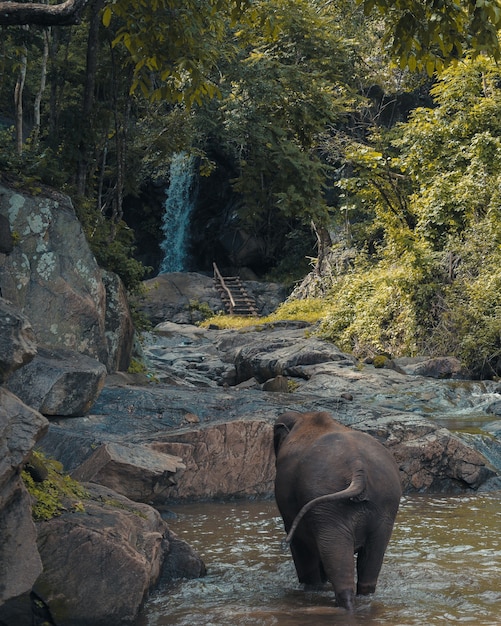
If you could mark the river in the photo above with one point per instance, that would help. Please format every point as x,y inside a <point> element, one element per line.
<point>443,566</point>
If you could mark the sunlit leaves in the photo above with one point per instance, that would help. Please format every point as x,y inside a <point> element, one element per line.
<point>174,46</point>
<point>453,151</point>
<point>429,35</point>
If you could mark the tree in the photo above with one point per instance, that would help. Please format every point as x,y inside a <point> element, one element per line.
<point>40,14</point>
<point>426,196</point>
<point>175,47</point>
<point>286,87</point>
<point>430,34</point>
<point>452,152</point>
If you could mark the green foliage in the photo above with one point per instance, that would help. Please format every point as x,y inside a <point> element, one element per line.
<point>372,310</point>
<point>423,208</point>
<point>311,311</point>
<point>429,35</point>
<point>54,495</point>
<point>137,367</point>
<point>174,46</point>
<point>112,245</point>
<point>469,325</point>
<point>36,165</point>
<point>202,307</point>
<point>289,85</point>
<point>380,361</point>
<point>452,153</point>
<point>294,261</point>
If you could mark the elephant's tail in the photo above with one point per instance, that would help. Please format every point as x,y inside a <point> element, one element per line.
<point>355,491</point>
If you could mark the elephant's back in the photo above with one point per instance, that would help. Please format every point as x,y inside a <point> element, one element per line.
<point>328,463</point>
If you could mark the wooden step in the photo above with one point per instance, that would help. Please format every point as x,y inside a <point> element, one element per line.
<point>233,295</point>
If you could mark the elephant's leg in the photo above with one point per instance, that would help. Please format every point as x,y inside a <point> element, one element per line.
<point>370,560</point>
<point>336,553</point>
<point>307,561</point>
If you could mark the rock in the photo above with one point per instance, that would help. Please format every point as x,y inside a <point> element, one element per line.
<point>279,383</point>
<point>21,564</point>
<point>20,428</point>
<point>118,327</point>
<point>242,248</point>
<point>17,340</point>
<point>175,297</point>
<point>437,367</point>
<point>283,352</point>
<point>120,548</point>
<point>319,377</point>
<point>228,459</point>
<point>430,458</point>
<point>187,297</point>
<point>52,277</point>
<point>181,562</point>
<point>188,332</point>
<point>59,382</point>
<point>268,296</point>
<point>6,239</point>
<point>184,355</point>
<point>138,472</point>
<point>494,408</point>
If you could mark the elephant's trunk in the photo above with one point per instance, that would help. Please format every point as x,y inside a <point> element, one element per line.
<point>355,491</point>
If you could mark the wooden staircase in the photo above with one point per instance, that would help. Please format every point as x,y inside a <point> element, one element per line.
<point>235,298</point>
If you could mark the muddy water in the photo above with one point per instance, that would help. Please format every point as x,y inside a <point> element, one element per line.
<point>443,566</point>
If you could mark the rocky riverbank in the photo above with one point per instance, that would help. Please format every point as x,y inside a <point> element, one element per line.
<point>201,428</point>
<point>197,426</point>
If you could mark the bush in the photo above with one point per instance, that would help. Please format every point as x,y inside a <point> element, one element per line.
<point>469,325</point>
<point>55,493</point>
<point>373,310</point>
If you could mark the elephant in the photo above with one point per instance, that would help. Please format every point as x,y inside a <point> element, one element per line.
<point>338,491</point>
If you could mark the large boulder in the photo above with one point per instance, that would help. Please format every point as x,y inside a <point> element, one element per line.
<point>177,297</point>
<point>138,472</point>
<point>20,429</point>
<point>118,326</point>
<point>430,458</point>
<point>17,340</point>
<point>228,459</point>
<point>98,565</point>
<point>433,367</point>
<point>286,351</point>
<point>59,382</point>
<point>52,277</point>
<point>6,239</point>
<point>187,297</point>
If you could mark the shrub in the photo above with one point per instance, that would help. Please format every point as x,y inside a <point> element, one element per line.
<point>55,493</point>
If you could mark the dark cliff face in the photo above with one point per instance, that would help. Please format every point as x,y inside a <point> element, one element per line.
<point>216,232</point>
<point>60,287</point>
<point>143,214</point>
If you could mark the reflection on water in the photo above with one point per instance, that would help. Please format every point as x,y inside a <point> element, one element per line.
<point>443,566</point>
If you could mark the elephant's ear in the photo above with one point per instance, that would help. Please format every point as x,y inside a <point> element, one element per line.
<point>284,424</point>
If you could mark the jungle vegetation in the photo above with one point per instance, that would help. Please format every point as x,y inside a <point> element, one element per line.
<point>297,96</point>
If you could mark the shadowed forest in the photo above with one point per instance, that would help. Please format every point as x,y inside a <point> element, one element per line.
<point>357,142</point>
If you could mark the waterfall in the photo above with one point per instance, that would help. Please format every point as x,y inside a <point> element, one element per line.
<point>178,206</point>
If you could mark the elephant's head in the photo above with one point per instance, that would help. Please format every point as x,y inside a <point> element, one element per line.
<point>283,426</point>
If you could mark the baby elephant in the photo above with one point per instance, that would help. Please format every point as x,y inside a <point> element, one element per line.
<point>338,492</point>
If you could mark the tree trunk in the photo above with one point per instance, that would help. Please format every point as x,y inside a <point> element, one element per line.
<point>324,243</point>
<point>43,80</point>
<point>18,98</point>
<point>121,120</point>
<point>88,95</point>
